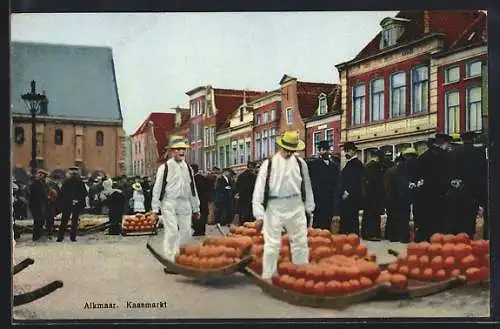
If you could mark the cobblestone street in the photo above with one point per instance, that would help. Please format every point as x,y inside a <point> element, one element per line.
<point>115,269</point>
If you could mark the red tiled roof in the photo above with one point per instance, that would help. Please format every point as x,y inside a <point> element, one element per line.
<point>451,23</point>
<point>308,93</point>
<point>162,124</point>
<point>477,32</point>
<point>228,100</point>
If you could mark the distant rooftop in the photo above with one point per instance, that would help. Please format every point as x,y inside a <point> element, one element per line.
<point>79,81</point>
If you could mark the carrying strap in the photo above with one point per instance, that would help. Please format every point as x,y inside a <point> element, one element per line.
<point>268,176</point>
<point>164,181</point>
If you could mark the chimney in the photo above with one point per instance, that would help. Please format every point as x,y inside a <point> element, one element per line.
<point>427,22</point>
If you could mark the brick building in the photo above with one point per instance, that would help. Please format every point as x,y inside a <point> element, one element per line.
<point>210,108</point>
<point>266,118</point>
<point>82,123</point>
<point>241,136</point>
<point>324,123</point>
<point>299,101</point>
<point>149,141</point>
<point>390,90</point>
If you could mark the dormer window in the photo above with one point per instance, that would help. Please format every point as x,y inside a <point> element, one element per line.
<point>322,104</point>
<point>392,29</point>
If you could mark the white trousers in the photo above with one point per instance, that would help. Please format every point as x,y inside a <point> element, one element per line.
<point>290,214</point>
<point>176,216</point>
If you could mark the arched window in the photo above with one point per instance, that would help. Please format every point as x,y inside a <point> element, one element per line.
<point>58,137</point>
<point>19,135</point>
<point>99,138</point>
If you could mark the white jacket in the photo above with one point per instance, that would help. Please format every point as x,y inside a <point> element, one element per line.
<point>178,185</point>
<point>284,181</point>
<point>138,197</point>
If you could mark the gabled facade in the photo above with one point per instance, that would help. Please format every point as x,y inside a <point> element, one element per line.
<point>266,118</point>
<point>324,124</point>
<point>240,132</point>
<point>82,123</point>
<point>210,108</point>
<point>299,101</point>
<point>149,141</point>
<point>391,89</point>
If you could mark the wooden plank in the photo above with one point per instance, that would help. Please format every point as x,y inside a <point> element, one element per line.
<point>22,265</point>
<point>295,298</point>
<point>37,293</point>
<point>200,273</point>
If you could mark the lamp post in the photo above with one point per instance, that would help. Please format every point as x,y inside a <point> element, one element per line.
<point>33,102</point>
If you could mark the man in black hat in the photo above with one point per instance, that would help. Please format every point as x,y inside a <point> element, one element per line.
<point>147,189</point>
<point>466,191</point>
<point>73,193</point>
<point>432,183</point>
<point>224,198</point>
<point>349,194</point>
<point>374,197</point>
<point>38,202</point>
<point>324,174</point>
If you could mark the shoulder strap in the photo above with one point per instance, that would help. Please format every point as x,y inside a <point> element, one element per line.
<point>302,183</point>
<point>192,180</point>
<point>164,182</point>
<point>266,186</point>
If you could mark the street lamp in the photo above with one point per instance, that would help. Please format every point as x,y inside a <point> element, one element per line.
<point>33,102</point>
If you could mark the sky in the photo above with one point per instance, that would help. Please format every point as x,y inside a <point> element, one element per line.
<point>160,56</point>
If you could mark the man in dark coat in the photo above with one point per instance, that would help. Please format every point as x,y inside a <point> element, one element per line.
<point>431,187</point>
<point>113,198</point>
<point>73,193</point>
<point>349,194</point>
<point>147,189</point>
<point>38,202</point>
<point>466,184</point>
<point>224,198</point>
<point>399,191</point>
<point>52,206</point>
<point>324,173</point>
<point>374,199</point>
<point>244,189</point>
<point>202,186</point>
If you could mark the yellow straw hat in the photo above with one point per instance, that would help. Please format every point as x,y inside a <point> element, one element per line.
<point>290,141</point>
<point>177,142</point>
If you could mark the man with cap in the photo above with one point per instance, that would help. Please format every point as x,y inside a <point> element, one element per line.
<point>432,183</point>
<point>324,179</point>
<point>349,196</point>
<point>467,186</point>
<point>73,193</point>
<point>174,192</point>
<point>374,198</point>
<point>38,202</point>
<point>281,198</point>
<point>399,190</point>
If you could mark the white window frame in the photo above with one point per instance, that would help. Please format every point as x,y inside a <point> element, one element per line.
<point>258,153</point>
<point>447,74</point>
<point>234,148</point>
<point>362,99</point>
<point>447,108</point>
<point>322,104</point>
<point>380,95</point>
<point>258,119</point>
<point>315,143</point>
<point>468,67</point>
<point>248,150</point>
<point>391,95</point>
<point>272,141</point>
<point>333,136</point>
<point>479,125</point>
<point>426,96</point>
<point>273,114</point>
<point>206,136</point>
<point>222,155</point>
<point>289,115</point>
<point>264,141</point>
<point>264,117</point>
<point>241,152</point>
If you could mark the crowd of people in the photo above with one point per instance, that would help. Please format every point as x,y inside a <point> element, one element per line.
<point>442,190</point>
